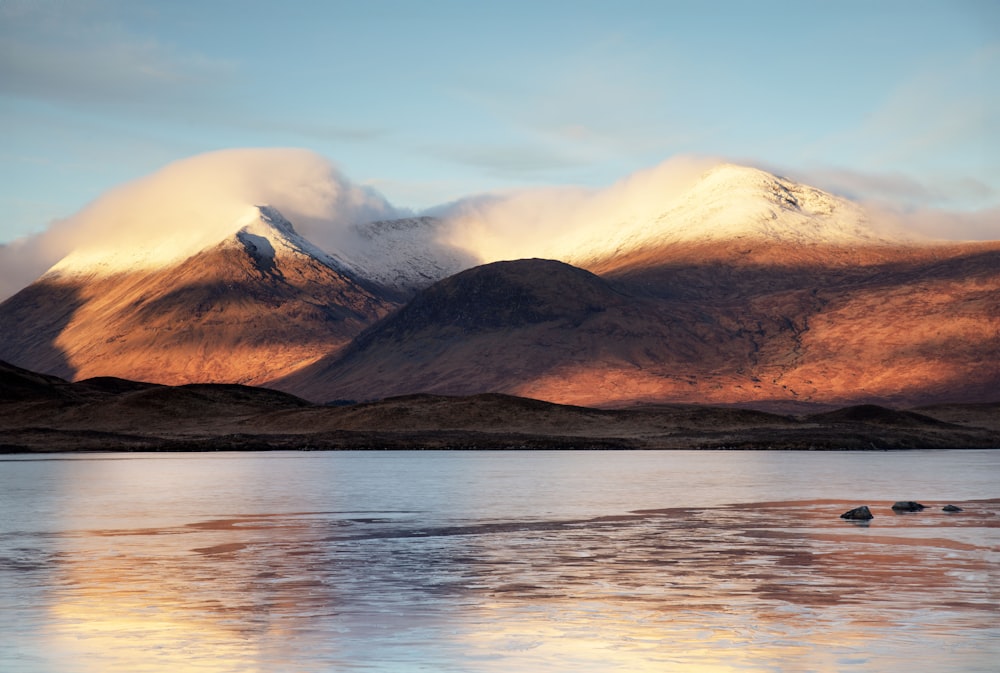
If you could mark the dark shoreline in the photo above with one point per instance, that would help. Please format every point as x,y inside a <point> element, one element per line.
<point>45,414</point>
<point>795,435</point>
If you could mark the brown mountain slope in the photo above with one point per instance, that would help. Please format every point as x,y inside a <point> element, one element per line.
<point>501,327</point>
<point>252,308</point>
<point>898,325</point>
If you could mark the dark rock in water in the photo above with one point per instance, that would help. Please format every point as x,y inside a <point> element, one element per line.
<point>907,506</point>
<point>952,508</point>
<point>858,514</point>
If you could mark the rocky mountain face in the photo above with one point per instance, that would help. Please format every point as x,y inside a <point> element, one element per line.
<point>253,307</point>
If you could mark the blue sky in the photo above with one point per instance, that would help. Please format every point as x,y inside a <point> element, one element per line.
<point>431,101</point>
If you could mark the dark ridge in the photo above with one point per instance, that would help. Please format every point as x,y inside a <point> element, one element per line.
<point>203,400</point>
<point>113,385</point>
<point>873,413</point>
<point>501,295</point>
<point>21,384</point>
<point>514,401</point>
<point>235,392</point>
<point>493,399</point>
<point>40,413</point>
<point>946,407</point>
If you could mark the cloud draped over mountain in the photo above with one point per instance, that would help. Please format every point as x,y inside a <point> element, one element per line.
<point>551,222</point>
<point>193,202</point>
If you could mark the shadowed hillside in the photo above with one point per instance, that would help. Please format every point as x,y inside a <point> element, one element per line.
<point>44,414</point>
<point>900,327</point>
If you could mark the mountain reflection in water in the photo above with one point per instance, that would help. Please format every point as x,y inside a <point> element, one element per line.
<point>771,586</point>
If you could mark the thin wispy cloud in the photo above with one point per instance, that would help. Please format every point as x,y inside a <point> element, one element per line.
<point>939,123</point>
<point>939,223</point>
<point>901,190</point>
<point>67,52</point>
<point>579,109</point>
<point>521,161</point>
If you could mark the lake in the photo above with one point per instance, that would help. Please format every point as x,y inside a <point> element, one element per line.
<point>498,561</point>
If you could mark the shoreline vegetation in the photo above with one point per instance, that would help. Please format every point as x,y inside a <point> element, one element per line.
<point>45,414</point>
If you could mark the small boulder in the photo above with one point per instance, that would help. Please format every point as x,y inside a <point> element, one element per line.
<point>858,514</point>
<point>952,508</point>
<point>907,506</point>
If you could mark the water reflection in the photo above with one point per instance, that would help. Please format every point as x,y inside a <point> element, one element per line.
<point>164,599</point>
<point>776,586</point>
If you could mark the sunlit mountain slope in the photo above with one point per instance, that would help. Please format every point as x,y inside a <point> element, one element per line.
<point>256,305</point>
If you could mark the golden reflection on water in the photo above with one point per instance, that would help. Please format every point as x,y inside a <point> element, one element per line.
<point>779,586</point>
<point>147,601</point>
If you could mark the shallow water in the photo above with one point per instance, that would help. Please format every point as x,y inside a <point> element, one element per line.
<point>498,561</point>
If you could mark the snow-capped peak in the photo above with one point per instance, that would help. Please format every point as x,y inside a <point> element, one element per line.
<point>268,233</point>
<point>731,202</point>
<point>262,230</point>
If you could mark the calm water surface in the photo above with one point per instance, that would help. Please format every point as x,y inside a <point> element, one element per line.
<point>498,561</point>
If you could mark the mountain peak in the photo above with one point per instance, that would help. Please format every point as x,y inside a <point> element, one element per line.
<point>267,235</point>
<point>730,202</point>
<point>262,230</point>
<point>244,302</point>
<point>744,183</point>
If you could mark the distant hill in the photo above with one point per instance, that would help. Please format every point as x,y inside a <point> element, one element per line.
<point>46,414</point>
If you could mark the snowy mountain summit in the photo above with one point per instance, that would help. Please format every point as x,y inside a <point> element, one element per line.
<point>733,203</point>
<point>404,254</point>
<point>268,236</point>
<point>261,230</point>
<point>727,285</point>
<point>736,201</point>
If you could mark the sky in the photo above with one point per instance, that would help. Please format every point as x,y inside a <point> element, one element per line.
<point>429,102</point>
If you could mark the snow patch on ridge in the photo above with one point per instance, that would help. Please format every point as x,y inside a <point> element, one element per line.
<point>163,252</point>
<point>406,254</point>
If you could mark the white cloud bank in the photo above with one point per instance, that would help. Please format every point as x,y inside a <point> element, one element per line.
<point>553,222</point>
<point>938,224</point>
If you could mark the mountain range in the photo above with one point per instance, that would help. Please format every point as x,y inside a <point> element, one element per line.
<point>745,288</point>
